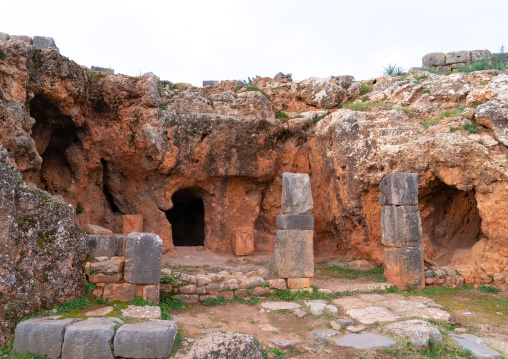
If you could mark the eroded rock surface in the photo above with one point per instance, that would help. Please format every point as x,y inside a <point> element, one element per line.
<point>42,250</point>
<point>125,145</point>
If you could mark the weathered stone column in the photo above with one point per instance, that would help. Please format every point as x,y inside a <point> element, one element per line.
<point>402,230</point>
<point>293,252</point>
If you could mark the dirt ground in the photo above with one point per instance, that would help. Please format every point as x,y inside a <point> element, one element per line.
<point>475,312</point>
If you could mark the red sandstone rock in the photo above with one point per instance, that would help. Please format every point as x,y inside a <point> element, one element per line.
<point>228,146</point>
<point>123,292</point>
<point>299,283</point>
<point>132,223</point>
<point>243,241</point>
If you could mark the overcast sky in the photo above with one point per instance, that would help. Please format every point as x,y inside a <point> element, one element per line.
<point>194,40</point>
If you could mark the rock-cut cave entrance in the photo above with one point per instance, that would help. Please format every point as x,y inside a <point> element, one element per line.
<point>187,218</point>
<point>58,142</point>
<point>450,220</point>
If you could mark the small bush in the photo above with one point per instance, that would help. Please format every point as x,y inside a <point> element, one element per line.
<point>72,305</point>
<point>168,279</point>
<point>488,289</point>
<point>366,88</point>
<point>282,115</point>
<point>393,70</point>
<point>470,127</point>
<point>427,90</point>
<point>79,208</point>
<point>453,129</point>
<point>212,302</point>
<point>161,106</point>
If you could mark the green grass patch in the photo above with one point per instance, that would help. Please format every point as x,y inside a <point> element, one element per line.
<point>470,127</point>
<point>72,305</point>
<point>281,115</point>
<point>255,88</point>
<point>354,273</point>
<point>448,113</point>
<point>213,302</point>
<point>488,289</point>
<point>427,90</point>
<point>249,301</point>
<point>359,106</point>
<point>366,88</point>
<point>287,295</point>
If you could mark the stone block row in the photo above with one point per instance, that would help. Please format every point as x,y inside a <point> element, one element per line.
<point>402,230</point>
<point>437,59</point>
<point>136,273</point>
<point>95,338</point>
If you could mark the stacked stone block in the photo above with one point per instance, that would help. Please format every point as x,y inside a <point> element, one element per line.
<point>402,230</point>
<point>450,61</point>
<point>136,272</point>
<point>293,252</point>
<point>192,288</point>
<point>95,338</point>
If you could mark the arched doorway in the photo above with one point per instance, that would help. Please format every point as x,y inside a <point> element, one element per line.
<point>187,218</point>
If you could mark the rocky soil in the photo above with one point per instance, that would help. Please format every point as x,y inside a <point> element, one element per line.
<point>125,145</point>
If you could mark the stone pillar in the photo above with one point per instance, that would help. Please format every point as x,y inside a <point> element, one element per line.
<point>402,230</point>
<point>293,252</point>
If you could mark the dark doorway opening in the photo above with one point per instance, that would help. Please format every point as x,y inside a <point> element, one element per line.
<point>187,218</point>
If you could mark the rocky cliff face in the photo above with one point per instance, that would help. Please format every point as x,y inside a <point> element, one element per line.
<point>41,250</point>
<point>122,145</point>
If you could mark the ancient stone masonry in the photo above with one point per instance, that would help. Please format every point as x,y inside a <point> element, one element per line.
<point>95,338</point>
<point>293,252</point>
<point>444,63</point>
<point>402,230</point>
<point>123,267</point>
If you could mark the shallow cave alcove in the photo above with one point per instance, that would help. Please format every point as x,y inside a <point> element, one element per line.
<point>54,134</point>
<point>450,220</point>
<point>187,218</point>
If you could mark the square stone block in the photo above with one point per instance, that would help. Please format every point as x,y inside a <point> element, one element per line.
<point>295,221</point>
<point>89,338</point>
<point>402,226</point>
<point>143,254</point>
<point>105,245</point>
<point>132,223</point>
<point>477,55</point>
<point>44,42</point>
<point>41,336</point>
<point>149,292</point>
<point>243,241</point>
<point>399,189</point>
<point>293,254</point>
<point>457,57</point>
<point>296,194</point>
<point>124,292</point>
<point>404,267</point>
<point>434,59</point>
<point>152,339</point>
<point>299,283</point>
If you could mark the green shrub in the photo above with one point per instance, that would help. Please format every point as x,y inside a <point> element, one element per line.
<point>255,88</point>
<point>393,70</point>
<point>427,90</point>
<point>72,305</point>
<point>453,129</point>
<point>79,208</point>
<point>161,106</point>
<point>470,127</point>
<point>488,289</point>
<point>281,115</point>
<point>212,302</point>
<point>168,279</point>
<point>366,88</point>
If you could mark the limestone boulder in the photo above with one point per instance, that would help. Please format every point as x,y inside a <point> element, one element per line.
<point>418,331</point>
<point>42,250</point>
<point>293,254</point>
<point>404,267</point>
<point>225,345</point>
